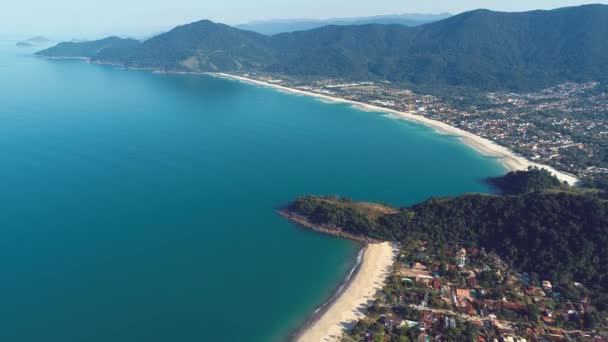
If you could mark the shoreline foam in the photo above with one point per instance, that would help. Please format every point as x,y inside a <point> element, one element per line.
<point>356,292</point>
<point>322,309</point>
<point>509,159</point>
<point>344,308</point>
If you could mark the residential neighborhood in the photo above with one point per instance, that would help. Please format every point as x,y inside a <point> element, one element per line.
<point>438,293</point>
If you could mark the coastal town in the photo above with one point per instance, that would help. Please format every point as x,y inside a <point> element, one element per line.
<point>565,126</point>
<point>440,293</point>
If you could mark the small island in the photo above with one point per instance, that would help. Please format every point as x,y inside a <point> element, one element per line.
<point>530,263</point>
<point>24,45</point>
<point>38,40</point>
<point>31,42</point>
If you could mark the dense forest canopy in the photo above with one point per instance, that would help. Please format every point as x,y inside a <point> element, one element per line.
<point>560,234</point>
<point>89,49</point>
<point>521,182</point>
<point>601,183</point>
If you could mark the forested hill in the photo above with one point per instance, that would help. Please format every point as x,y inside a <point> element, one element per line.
<point>521,182</point>
<point>89,49</point>
<point>559,234</point>
<point>478,49</point>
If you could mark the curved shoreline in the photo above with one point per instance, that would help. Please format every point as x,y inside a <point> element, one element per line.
<point>356,292</point>
<point>344,308</point>
<point>334,231</point>
<point>322,309</point>
<point>509,159</point>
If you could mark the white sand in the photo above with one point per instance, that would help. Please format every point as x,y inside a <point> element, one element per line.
<point>375,267</point>
<point>508,158</point>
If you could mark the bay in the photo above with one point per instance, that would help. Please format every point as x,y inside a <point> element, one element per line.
<point>141,207</point>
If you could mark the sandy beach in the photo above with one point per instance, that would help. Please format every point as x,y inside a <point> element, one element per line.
<point>375,267</point>
<point>509,159</point>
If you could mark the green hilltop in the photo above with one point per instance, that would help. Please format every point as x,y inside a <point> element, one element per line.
<point>89,49</point>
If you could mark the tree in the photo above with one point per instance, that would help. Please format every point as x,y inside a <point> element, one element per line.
<point>533,313</point>
<point>590,320</point>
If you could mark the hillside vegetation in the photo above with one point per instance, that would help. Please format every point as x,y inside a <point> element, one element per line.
<point>479,49</point>
<point>561,235</point>
<point>88,49</point>
<point>520,182</point>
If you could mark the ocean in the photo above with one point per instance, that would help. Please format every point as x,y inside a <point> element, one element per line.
<point>141,207</point>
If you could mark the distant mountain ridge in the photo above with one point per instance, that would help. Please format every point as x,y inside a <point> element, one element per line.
<point>38,39</point>
<point>32,42</point>
<point>24,45</point>
<point>272,27</point>
<point>479,49</point>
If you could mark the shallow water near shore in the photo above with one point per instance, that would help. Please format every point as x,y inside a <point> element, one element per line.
<point>141,207</point>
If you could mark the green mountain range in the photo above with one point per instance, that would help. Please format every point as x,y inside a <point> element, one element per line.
<point>479,49</point>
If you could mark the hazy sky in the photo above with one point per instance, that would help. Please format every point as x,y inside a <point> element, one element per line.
<point>87,18</point>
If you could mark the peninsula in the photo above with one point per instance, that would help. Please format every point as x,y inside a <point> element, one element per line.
<point>523,265</point>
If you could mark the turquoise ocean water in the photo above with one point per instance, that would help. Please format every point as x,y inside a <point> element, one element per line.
<point>140,207</point>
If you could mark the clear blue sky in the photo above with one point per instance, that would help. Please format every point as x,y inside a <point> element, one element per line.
<point>93,18</point>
